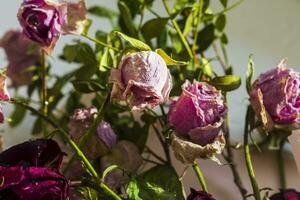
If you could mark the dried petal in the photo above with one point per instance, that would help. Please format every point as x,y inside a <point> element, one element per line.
<point>284,84</point>
<point>288,194</point>
<point>18,50</point>
<point>198,113</point>
<point>188,152</point>
<point>199,195</point>
<point>145,77</point>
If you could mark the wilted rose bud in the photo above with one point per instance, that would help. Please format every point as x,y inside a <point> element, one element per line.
<point>101,142</point>
<point>31,171</point>
<point>20,56</point>
<point>197,116</point>
<point>199,195</point>
<point>144,76</point>
<point>4,96</point>
<point>275,96</point>
<point>126,155</point>
<point>289,194</point>
<point>43,21</point>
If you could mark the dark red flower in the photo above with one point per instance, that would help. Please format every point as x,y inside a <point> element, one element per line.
<point>31,171</point>
<point>289,194</point>
<point>199,195</point>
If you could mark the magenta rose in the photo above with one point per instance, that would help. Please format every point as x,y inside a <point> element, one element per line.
<point>101,142</point>
<point>144,76</point>
<point>198,113</point>
<point>277,93</point>
<point>43,21</point>
<point>289,194</point>
<point>199,195</point>
<point>31,171</point>
<point>20,57</point>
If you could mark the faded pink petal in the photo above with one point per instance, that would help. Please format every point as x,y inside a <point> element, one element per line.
<point>144,76</point>
<point>4,96</point>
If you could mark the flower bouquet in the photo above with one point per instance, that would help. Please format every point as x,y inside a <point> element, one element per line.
<point>152,75</point>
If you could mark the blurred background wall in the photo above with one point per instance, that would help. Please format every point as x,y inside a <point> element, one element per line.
<point>267,28</point>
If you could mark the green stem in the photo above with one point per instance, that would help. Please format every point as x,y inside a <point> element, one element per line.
<point>281,166</point>
<point>79,153</point>
<point>44,89</point>
<point>177,28</point>
<point>88,134</point>
<point>200,176</point>
<point>198,24</point>
<point>100,42</point>
<point>250,169</point>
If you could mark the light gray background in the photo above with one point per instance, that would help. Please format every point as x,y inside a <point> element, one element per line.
<point>267,28</point>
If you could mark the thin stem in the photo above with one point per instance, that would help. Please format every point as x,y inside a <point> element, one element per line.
<point>230,159</point>
<point>163,143</point>
<point>198,24</point>
<point>223,65</point>
<point>151,161</point>
<point>100,42</point>
<point>44,88</point>
<point>177,28</point>
<point>281,166</point>
<point>200,177</point>
<point>79,153</point>
<point>250,169</point>
<point>230,7</point>
<point>155,155</point>
<point>88,134</point>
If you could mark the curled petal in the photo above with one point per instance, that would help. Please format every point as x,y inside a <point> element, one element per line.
<point>37,153</point>
<point>188,152</point>
<point>107,135</point>
<point>199,195</point>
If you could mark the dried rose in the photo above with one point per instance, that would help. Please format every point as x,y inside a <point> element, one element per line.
<point>199,195</point>
<point>31,171</point>
<point>126,155</point>
<point>198,113</point>
<point>43,21</point>
<point>101,142</point>
<point>197,116</point>
<point>18,48</point>
<point>144,76</point>
<point>289,194</point>
<point>275,96</point>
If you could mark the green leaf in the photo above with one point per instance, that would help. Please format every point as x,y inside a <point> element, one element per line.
<point>133,42</point>
<point>206,37</point>
<point>224,3</point>
<point>176,42</point>
<point>37,126</point>
<point>108,170</point>
<point>88,86</point>
<point>17,116</point>
<point>227,83</point>
<point>105,63</point>
<point>168,59</point>
<point>101,11</point>
<point>133,190</point>
<point>224,38</point>
<point>207,68</point>
<point>88,193</point>
<point>220,22</point>
<point>154,28</point>
<point>162,183</point>
<point>126,18</point>
<point>70,52</point>
<point>249,74</point>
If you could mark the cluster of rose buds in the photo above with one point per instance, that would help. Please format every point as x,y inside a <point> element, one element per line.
<point>43,21</point>
<point>275,96</point>
<point>31,171</point>
<point>104,145</point>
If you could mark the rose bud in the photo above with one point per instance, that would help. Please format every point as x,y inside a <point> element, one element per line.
<point>284,84</point>
<point>125,155</point>
<point>101,141</point>
<point>289,194</point>
<point>144,76</point>
<point>31,171</point>
<point>199,195</point>
<point>18,48</point>
<point>43,21</point>
<point>197,117</point>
